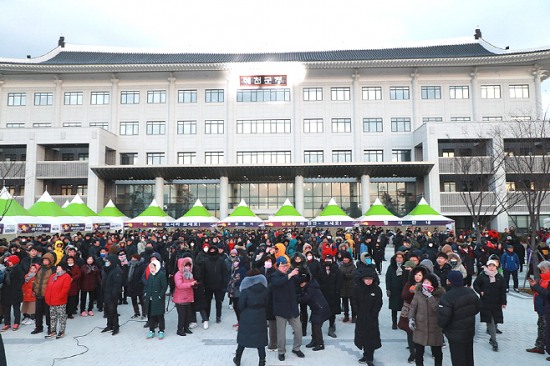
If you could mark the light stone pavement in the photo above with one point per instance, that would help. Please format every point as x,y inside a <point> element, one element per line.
<point>84,344</point>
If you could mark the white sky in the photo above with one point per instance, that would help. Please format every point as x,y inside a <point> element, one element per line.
<point>34,26</point>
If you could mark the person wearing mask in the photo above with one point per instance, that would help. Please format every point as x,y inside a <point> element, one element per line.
<point>155,293</point>
<point>183,294</point>
<point>89,282</point>
<point>268,270</point>
<point>56,295</point>
<point>310,294</point>
<point>330,282</point>
<point>39,289</point>
<point>74,271</point>
<point>215,281</point>
<point>457,317</point>
<point>123,260</point>
<point>238,272</point>
<point>300,262</point>
<point>395,280</point>
<point>12,292</point>
<point>136,269</point>
<point>416,277</point>
<point>347,269</point>
<point>111,286</point>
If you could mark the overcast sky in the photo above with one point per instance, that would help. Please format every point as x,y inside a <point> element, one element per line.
<point>32,27</point>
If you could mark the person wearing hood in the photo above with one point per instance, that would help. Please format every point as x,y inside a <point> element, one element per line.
<point>136,269</point>
<point>39,289</point>
<point>313,264</point>
<point>111,286</point>
<point>238,272</point>
<point>215,281</point>
<point>368,299</point>
<point>310,294</point>
<point>58,252</point>
<point>253,302</point>
<point>416,277</point>
<point>395,280</point>
<point>29,300</point>
<point>347,269</point>
<point>456,263</point>
<point>56,295</point>
<point>423,315</point>
<point>12,292</point>
<point>330,282</point>
<point>183,294</point>
<point>155,294</point>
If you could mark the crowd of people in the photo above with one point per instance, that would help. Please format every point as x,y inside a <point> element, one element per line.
<point>436,283</point>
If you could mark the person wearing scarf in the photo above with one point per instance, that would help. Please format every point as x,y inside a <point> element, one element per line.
<point>492,290</point>
<point>56,295</point>
<point>136,270</point>
<point>29,300</point>
<point>155,290</point>
<point>542,307</point>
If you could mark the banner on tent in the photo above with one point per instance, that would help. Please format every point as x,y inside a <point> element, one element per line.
<point>333,223</point>
<point>102,226</point>
<point>287,224</point>
<point>69,228</point>
<point>33,228</point>
<point>240,224</point>
<point>139,225</point>
<point>192,224</point>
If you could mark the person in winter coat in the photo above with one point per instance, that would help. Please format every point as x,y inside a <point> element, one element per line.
<point>368,299</point>
<point>39,289</point>
<point>238,272</point>
<point>253,302</point>
<point>29,300</point>
<point>542,307</point>
<point>215,281</point>
<point>378,255</point>
<point>90,278</point>
<point>416,277</point>
<point>155,293</point>
<point>199,304</point>
<point>395,280</point>
<point>74,271</point>
<point>111,286</point>
<point>124,266</point>
<point>423,314</point>
<point>468,261</point>
<point>56,295</point>
<point>492,290</point>
<point>457,317</point>
<point>510,266</point>
<point>12,292</point>
<point>330,281</point>
<point>136,269</point>
<point>442,268</point>
<point>456,263</point>
<point>183,294</point>
<point>347,269</point>
<point>299,261</point>
<point>310,294</point>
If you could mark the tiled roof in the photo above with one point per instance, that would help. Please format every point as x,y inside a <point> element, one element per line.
<point>117,58</point>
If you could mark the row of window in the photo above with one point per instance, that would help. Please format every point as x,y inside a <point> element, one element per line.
<point>271,95</point>
<point>266,157</point>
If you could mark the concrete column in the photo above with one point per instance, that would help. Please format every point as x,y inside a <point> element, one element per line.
<point>357,123</point>
<point>159,191</point>
<point>414,97</point>
<point>537,73</point>
<point>474,92</point>
<point>58,102</point>
<point>224,197</point>
<point>297,155</point>
<point>500,222</point>
<point>35,153</point>
<point>172,100</point>
<point>365,193</point>
<point>299,193</point>
<point>115,100</point>
<point>96,186</point>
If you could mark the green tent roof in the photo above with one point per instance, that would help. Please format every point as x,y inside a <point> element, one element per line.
<point>287,210</point>
<point>153,210</point>
<point>9,206</point>
<point>332,209</point>
<point>378,209</point>
<point>423,208</point>
<point>77,207</point>
<point>110,210</point>
<point>197,210</point>
<point>46,206</point>
<point>242,210</point>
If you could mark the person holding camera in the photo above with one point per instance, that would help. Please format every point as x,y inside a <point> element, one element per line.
<point>311,295</point>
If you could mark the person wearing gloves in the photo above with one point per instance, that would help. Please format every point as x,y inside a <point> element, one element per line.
<point>155,293</point>
<point>423,313</point>
<point>310,294</point>
<point>56,295</point>
<point>183,294</point>
<point>395,279</point>
<point>111,286</point>
<point>12,292</point>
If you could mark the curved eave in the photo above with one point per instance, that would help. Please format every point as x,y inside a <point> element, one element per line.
<point>541,58</point>
<point>264,172</point>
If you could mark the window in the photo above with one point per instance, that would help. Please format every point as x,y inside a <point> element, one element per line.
<point>400,124</point>
<point>313,94</point>
<point>372,93</point>
<point>459,92</point>
<point>314,156</point>
<point>341,125</point>
<point>17,99</point>
<point>263,126</point>
<point>73,98</point>
<point>430,92</point>
<point>431,119</point>
<point>519,91</point>
<point>399,93</point>
<point>103,125</point>
<point>520,118</point>
<point>100,97</point>
<point>128,158</point>
<point>72,124</point>
<point>263,157</point>
<point>490,91</point>
<point>187,158</point>
<point>187,96</point>
<point>400,155</point>
<point>156,96</point>
<point>187,127</point>
<point>448,153</point>
<point>43,98</point>
<point>41,125</point>
<point>373,156</point>
<point>263,95</point>
<point>213,127</point>
<point>129,97</point>
<point>129,128</point>
<point>66,189</point>
<point>510,186</point>
<point>213,157</point>
<point>341,156</point>
<point>155,128</point>
<point>214,96</point>
<point>372,125</point>
<point>15,125</point>
<point>155,158</point>
<point>82,189</point>
<point>340,93</point>
<point>10,157</point>
<point>449,186</point>
<point>83,157</point>
<point>491,118</point>
<point>460,119</point>
<point>313,125</point>
<point>67,157</point>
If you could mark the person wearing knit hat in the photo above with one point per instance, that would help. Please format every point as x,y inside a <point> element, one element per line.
<point>491,288</point>
<point>368,296</point>
<point>12,292</point>
<point>457,317</point>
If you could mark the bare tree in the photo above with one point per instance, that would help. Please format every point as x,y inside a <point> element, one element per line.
<point>10,170</point>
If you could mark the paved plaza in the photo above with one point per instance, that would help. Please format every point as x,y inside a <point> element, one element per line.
<point>84,344</point>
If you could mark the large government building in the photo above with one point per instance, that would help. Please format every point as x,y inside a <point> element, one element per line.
<point>133,125</point>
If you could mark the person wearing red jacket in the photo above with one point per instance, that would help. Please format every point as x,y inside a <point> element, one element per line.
<point>57,293</point>
<point>29,300</point>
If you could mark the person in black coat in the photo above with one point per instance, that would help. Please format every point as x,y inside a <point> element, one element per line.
<point>253,302</point>
<point>215,281</point>
<point>491,288</point>
<point>111,286</point>
<point>330,281</point>
<point>395,280</point>
<point>136,268</point>
<point>12,292</point>
<point>457,317</point>
<point>268,270</point>
<point>368,299</point>
<point>442,268</point>
<point>311,295</point>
